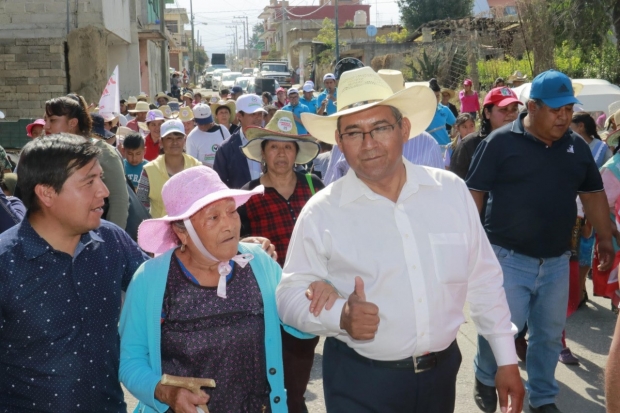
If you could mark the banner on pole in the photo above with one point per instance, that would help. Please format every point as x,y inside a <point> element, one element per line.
<point>110,98</point>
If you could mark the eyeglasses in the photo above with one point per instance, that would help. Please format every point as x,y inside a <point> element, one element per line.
<point>382,133</point>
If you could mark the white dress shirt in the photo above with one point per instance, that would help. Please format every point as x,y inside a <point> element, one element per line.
<point>422,150</point>
<point>255,167</point>
<point>420,259</point>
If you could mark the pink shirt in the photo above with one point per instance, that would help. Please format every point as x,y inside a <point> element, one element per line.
<point>469,103</point>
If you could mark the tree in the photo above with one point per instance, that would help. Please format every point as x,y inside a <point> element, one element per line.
<point>349,24</point>
<point>201,59</point>
<point>415,13</point>
<point>327,33</point>
<point>257,30</point>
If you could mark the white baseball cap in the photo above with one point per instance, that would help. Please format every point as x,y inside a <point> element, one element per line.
<point>329,76</point>
<point>291,91</point>
<point>202,114</point>
<point>248,104</point>
<point>308,87</point>
<point>172,126</point>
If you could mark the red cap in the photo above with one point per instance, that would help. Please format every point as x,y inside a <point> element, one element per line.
<point>29,127</point>
<point>467,82</point>
<point>280,89</point>
<point>501,96</point>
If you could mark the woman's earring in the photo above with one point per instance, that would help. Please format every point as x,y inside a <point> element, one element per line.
<point>182,247</point>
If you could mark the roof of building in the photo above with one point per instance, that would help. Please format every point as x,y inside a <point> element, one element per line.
<point>345,12</point>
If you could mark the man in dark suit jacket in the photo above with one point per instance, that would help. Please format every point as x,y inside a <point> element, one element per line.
<point>230,163</point>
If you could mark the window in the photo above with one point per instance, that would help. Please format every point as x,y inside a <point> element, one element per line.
<point>172,26</point>
<point>510,11</point>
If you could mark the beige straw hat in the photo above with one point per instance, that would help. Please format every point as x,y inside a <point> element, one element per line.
<point>363,88</point>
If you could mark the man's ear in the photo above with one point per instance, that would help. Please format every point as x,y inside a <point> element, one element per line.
<point>406,129</point>
<point>46,195</point>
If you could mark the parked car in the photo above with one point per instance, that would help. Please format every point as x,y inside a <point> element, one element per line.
<point>217,78</point>
<point>208,75</point>
<point>252,86</point>
<point>243,82</point>
<point>228,80</point>
<point>247,71</point>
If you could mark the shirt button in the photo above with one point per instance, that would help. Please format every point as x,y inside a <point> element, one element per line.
<point>420,300</point>
<point>276,399</point>
<point>272,371</point>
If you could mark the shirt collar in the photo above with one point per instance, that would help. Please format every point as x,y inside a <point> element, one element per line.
<point>354,188</point>
<point>244,140</point>
<point>37,246</point>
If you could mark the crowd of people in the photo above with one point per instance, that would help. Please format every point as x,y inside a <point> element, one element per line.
<point>219,237</point>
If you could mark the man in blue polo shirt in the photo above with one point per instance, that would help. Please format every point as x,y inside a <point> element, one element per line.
<point>533,169</point>
<point>62,270</point>
<point>326,101</point>
<point>308,98</point>
<point>297,109</point>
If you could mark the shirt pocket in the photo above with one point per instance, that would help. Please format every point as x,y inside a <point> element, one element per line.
<point>450,256</point>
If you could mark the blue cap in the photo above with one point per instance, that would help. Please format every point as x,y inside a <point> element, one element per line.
<point>236,89</point>
<point>554,88</point>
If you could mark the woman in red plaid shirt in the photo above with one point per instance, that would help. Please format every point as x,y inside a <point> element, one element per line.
<point>279,148</point>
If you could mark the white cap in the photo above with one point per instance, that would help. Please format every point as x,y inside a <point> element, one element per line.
<point>329,76</point>
<point>308,87</point>
<point>248,104</point>
<point>291,91</point>
<point>201,111</point>
<point>172,126</point>
<point>154,114</point>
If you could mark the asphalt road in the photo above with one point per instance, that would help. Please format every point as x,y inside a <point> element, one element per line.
<point>588,333</point>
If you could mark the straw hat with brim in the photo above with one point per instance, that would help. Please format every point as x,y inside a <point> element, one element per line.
<point>165,109</point>
<point>518,76</point>
<point>451,92</point>
<point>362,89</point>
<point>394,78</point>
<point>123,131</point>
<point>185,114</point>
<point>185,194</point>
<point>613,138</point>
<point>10,180</point>
<point>230,104</point>
<point>577,88</point>
<point>161,95</point>
<point>280,128</point>
<point>140,107</point>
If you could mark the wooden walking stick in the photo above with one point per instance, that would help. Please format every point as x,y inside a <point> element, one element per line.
<point>192,384</point>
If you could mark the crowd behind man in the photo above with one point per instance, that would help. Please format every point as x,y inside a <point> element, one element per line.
<point>388,155</point>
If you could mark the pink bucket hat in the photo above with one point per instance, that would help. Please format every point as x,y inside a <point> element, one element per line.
<point>185,194</point>
<point>29,127</point>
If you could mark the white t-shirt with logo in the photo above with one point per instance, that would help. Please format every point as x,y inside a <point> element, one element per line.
<point>203,145</point>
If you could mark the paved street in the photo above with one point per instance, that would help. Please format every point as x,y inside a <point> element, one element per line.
<point>588,333</point>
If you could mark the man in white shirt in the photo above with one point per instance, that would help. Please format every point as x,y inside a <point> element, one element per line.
<point>404,247</point>
<point>207,137</point>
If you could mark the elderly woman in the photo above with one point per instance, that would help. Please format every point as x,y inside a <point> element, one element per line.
<point>204,307</point>
<point>273,215</point>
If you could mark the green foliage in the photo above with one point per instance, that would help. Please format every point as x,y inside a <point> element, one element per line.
<point>273,53</point>
<point>201,59</point>
<point>327,33</point>
<point>425,66</point>
<point>393,37</point>
<point>349,24</point>
<point>257,30</point>
<point>489,70</point>
<point>415,13</point>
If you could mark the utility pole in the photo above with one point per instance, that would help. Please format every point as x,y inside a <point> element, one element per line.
<point>164,47</point>
<point>245,37</point>
<point>191,12</point>
<point>337,43</point>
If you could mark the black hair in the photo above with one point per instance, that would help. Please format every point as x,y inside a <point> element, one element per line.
<point>498,80</point>
<point>50,161</point>
<point>133,141</point>
<point>73,107</point>
<point>485,123</point>
<point>588,122</point>
<point>223,107</point>
<point>268,96</point>
<point>262,147</point>
<point>434,85</point>
<point>224,92</point>
<point>462,119</point>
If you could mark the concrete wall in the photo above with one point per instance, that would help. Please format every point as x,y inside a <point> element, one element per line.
<point>46,18</point>
<point>116,14</point>
<point>31,72</point>
<point>154,59</point>
<point>127,57</point>
<point>88,62</point>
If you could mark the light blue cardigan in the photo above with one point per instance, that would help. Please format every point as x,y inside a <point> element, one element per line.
<point>140,329</point>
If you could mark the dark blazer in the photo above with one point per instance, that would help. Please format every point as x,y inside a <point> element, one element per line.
<point>231,164</point>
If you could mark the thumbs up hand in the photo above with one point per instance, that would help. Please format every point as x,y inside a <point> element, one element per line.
<point>359,318</point>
